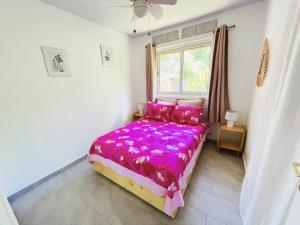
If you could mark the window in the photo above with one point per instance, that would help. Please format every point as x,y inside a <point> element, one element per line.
<point>185,70</point>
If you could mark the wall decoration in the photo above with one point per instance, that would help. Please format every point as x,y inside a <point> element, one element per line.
<point>107,55</point>
<point>56,61</point>
<point>264,64</point>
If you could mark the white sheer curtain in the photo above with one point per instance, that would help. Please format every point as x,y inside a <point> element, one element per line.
<point>269,182</point>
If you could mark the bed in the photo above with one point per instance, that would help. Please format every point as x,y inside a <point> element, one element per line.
<point>152,159</point>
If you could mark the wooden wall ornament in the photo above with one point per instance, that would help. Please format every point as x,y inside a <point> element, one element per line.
<point>264,64</point>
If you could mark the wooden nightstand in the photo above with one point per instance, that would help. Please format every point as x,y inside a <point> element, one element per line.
<point>137,116</point>
<point>239,130</point>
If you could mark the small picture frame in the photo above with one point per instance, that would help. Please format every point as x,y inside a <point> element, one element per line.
<point>107,55</point>
<point>56,61</point>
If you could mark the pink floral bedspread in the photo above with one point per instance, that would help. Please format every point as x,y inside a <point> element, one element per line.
<point>154,149</point>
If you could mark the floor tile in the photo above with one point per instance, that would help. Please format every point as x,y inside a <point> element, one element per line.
<point>63,206</point>
<point>219,174</point>
<point>84,165</point>
<point>154,217</point>
<point>213,206</point>
<point>190,216</point>
<point>68,206</point>
<point>50,186</point>
<point>211,221</point>
<point>91,217</point>
<point>50,220</point>
<point>24,205</point>
<point>125,213</point>
<point>226,192</point>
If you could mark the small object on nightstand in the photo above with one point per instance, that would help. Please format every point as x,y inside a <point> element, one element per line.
<point>238,147</point>
<point>137,116</point>
<point>231,117</point>
<point>141,108</point>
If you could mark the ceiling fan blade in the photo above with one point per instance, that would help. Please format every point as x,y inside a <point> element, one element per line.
<point>156,11</point>
<point>163,2</point>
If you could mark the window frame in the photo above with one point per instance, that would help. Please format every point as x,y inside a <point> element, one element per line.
<point>181,50</point>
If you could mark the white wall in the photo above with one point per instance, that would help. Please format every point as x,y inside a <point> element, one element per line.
<point>46,122</point>
<point>245,43</point>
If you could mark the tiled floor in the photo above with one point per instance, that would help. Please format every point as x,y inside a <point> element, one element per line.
<point>80,196</point>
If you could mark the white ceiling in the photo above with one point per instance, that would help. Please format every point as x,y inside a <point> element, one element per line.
<point>120,18</point>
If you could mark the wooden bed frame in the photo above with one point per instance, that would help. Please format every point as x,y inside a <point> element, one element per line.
<point>140,191</point>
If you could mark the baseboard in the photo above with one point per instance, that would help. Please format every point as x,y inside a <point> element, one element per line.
<point>39,182</point>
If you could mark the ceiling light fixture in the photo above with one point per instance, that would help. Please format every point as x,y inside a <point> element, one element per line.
<point>143,7</point>
<point>140,10</point>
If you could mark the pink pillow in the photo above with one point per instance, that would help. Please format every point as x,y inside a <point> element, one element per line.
<point>159,111</point>
<point>189,115</point>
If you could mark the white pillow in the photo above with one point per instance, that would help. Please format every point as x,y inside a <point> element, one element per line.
<point>191,102</point>
<point>165,102</point>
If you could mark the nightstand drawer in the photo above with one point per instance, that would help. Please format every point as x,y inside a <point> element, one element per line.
<point>231,146</point>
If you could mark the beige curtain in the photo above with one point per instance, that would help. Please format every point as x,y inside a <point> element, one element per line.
<point>218,101</point>
<point>150,70</point>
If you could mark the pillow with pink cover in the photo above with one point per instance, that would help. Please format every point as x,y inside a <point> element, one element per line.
<point>189,115</point>
<point>159,111</point>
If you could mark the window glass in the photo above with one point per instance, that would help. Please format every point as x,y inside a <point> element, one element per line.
<point>169,72</point>
<point>184,71</point>
<point>196,68</point>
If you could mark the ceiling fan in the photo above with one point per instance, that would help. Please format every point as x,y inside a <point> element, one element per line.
<point>142,7</point>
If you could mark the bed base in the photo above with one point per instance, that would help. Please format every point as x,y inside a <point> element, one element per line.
<point>139,190</point>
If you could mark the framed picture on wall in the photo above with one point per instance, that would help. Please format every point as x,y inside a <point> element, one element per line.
<point>106,55</point>
<point>56,62</point>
